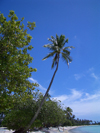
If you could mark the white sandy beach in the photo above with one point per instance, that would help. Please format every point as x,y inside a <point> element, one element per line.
<point>51,130</point>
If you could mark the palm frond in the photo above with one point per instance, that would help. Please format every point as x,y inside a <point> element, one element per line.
<point>66,40</point>
<point>54,48</point>
<point>62,41</point>
<point>54,61</point>
<point>49,55</point>
<point>66,58</point>
<point>57,38</point>
<point>51,47</point>
<point>48,45</point>
<point>57,47</point>
<point>50,40</point>
<point>53,40</point>
<point>69,47</point>
<point>70,59</point>
<point>66,52</point>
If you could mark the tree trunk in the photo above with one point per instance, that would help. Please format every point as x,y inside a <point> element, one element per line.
<point>20,130</point>
<point>35,116</point>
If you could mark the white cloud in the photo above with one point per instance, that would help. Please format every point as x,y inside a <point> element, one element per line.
<point>33,80</point>
<point>85,108</point>
<point>94,76</point>
<point>87,73</point>
<point>40,86</point>
<point>43,89</point>
<point>74,96</point>
<point>87,94</point>
<point>61,98</point>
<point>78,76</point>
<point>90,69</point>
<point>91,97</point>
<point>82,103</point>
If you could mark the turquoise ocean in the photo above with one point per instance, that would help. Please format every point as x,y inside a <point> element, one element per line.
<point>86,129</point>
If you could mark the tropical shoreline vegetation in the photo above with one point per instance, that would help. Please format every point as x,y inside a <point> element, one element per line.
<point>22,106</point>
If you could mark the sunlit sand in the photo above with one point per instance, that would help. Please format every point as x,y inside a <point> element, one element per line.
<point>51,130</point>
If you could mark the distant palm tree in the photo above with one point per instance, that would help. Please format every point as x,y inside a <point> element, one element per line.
<point>57,48</point>
<point>68,112</point>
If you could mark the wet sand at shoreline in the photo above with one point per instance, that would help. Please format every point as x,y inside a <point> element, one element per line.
<point>51,130</point>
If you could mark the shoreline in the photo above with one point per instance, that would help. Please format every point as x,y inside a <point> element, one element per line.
<point>65,129</point>
<point>68,128</point>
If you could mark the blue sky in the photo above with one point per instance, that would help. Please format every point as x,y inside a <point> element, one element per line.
<point>79,20</point>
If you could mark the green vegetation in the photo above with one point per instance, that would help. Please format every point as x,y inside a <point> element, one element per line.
<point>20,115</point>
<point>51,114</point>
<point>14,59</point>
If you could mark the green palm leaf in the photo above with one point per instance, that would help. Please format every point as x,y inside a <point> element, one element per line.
<point>53,38</point>
<point>65,59</point>
<point>48,45</point>
<point>49,55</point>
<point>57,48</point>
<point>66,52</point>
<point>51,47</point>
<point>54,61</point>
<point>66,41</point>
<point>69,47</point>
<point>57,38</point>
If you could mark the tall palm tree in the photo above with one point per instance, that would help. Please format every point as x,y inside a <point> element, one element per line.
<point>57,48</point>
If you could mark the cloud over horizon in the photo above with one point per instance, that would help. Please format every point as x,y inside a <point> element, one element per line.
<point>82,103</point>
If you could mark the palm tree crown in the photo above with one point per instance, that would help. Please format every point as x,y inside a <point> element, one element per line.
<point>57,48</point>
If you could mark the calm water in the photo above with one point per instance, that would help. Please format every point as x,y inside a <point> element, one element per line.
<point>2,129</point>
<point>86,129</point>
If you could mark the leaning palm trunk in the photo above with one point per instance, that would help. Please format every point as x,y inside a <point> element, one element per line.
<point>35,116</point>
<point>57,48</point>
